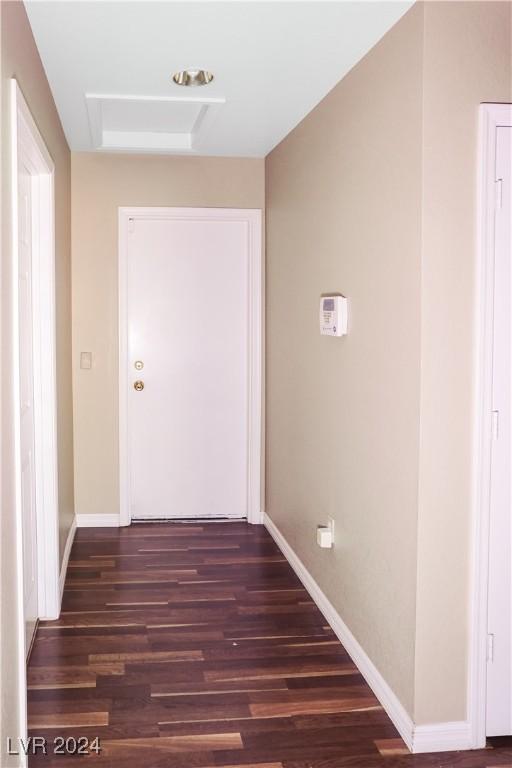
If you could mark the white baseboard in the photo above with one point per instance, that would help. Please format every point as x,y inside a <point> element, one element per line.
<point>438,737</point>
<point>443,737</point>
<point>65,558</point>
<point>381,689</point>
<point>97,521</point>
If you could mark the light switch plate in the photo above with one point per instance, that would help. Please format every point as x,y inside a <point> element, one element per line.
<point>86,360</point>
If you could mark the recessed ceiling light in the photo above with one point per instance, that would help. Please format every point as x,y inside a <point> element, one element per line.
<point>193,77</point>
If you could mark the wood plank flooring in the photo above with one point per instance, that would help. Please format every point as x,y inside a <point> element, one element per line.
<point>189,645</point>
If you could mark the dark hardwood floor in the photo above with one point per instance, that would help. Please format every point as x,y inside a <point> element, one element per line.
<point>184,645</point>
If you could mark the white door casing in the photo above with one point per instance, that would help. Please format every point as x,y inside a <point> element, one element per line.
<point>190,311</point>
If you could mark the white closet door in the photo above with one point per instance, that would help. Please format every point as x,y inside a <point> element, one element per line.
<point>499,668</point>
<point>27,424</point>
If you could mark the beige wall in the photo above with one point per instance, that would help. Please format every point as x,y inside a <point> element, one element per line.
<point>373,195</point>
<point>21,60</point>
<point>344,214</point>
<point>467,60</point>
<point>101,183</point>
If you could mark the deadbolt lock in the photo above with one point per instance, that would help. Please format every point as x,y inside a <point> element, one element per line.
<point>139,365</point>
<point>138,385</point>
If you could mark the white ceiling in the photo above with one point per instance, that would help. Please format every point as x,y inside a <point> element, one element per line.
<point>273,62</point>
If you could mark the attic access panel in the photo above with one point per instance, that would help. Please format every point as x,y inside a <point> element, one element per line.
<point>149,124</point>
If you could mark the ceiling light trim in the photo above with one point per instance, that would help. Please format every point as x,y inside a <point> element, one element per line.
<point>193,77</point>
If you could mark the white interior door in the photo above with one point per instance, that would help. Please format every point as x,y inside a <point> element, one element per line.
<point>27,419</point>
<point>188,338</point>
<point>499,668</point>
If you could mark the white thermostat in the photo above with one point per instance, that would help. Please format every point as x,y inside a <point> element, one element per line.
<point>333,315</point>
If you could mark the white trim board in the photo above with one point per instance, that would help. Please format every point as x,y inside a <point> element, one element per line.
<point>253,218</point>
<point>97,521</point>
<point>442,737</point>
<point>65,556</point>
<point>437,737</point>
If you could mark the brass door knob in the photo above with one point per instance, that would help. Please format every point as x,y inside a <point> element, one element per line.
<point>138,385</point>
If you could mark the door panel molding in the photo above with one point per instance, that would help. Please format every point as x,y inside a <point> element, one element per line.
<point>253,219</point>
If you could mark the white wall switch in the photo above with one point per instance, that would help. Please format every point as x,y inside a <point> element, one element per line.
<point>86,360</point>
<point>324,537</point>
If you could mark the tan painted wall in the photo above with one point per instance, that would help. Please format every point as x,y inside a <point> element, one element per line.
<point>21,59</point>
<point>344,214</point>
<point>467,60</point>
<point>373,194</point>
<point>102,183</point>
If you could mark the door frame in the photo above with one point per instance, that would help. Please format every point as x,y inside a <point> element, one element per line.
<point>27,142</point>
<point>491,117</point>
<point>253,219</point>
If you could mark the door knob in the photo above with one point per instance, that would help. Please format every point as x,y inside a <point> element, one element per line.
<point>138,385</point>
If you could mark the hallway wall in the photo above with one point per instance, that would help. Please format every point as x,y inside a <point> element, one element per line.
<point>100,184</point>
<point>373,195</point>
<point>344,215</point>
<point>20,59</point>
